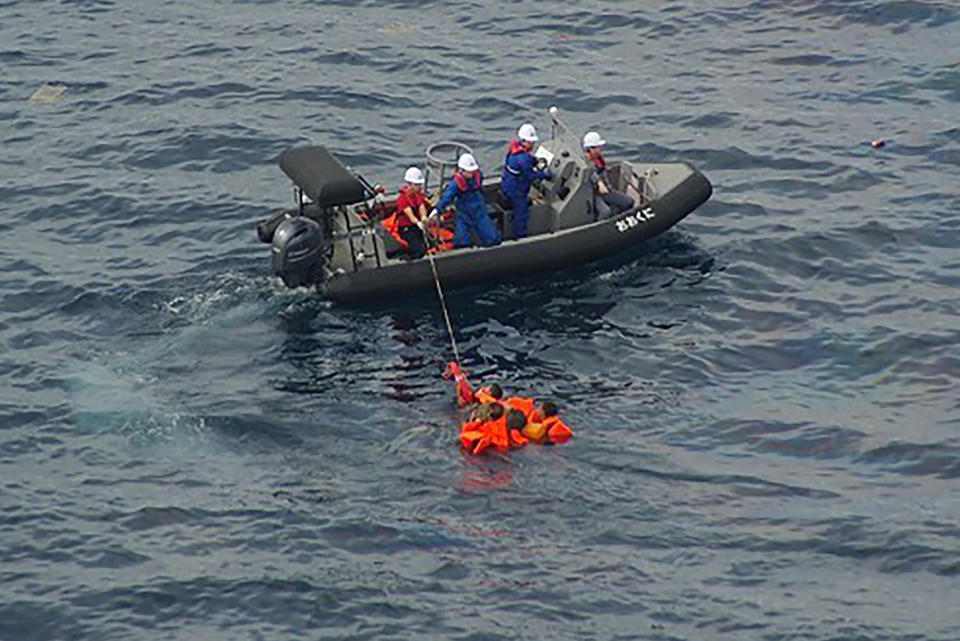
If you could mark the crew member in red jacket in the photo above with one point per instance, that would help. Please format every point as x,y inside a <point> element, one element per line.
<point>411,216</point>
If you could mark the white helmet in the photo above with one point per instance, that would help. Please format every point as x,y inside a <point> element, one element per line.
<point>468,163</point>
<point>593,139</point>
<point>414,175</point>
<point>527,133</point>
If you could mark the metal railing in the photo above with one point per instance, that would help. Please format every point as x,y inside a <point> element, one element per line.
<point>442,156</point>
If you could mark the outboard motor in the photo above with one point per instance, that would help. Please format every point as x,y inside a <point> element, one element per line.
<point>298,251</point>
<point>267,227</point>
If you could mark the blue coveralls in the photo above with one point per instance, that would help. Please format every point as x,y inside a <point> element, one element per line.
<point>519,172</point>
<point>471,213</point>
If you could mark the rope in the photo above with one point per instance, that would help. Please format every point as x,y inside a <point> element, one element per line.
<point>443,302</point>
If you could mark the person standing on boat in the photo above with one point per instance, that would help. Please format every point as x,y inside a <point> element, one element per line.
<point>519,172</point>
<point>604,197</point>
<point>466,189</point>
<point>411,216</point>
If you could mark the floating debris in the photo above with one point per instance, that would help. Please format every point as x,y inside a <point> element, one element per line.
<point>878,144</point>
<point>397,27</point>
<point>48,93</point>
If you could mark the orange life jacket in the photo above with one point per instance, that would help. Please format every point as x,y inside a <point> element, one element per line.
<point>482,444</point>
<point>517,439</point>
<point>470,439</point>
<point>464,392</point>
<point>444,238</point>
<point>442,235</point>
<point>525,405</point>
<point>471,426</point>
<point>392,224</point>
<point>534,432</point>
<point>479,436</point>
<point>471,434</point>
<point>483,396</point>
<point>557,431</point>
<point>499,436</point>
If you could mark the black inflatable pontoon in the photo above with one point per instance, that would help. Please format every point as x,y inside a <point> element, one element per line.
<point>333,238</point>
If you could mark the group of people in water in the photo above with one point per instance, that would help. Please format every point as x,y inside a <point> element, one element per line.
<point>409,223</point>
<point>501,424</point>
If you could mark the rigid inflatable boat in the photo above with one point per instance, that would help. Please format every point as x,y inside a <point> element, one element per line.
<point>334,239</point>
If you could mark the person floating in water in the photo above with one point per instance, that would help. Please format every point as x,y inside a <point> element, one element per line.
<point>501,424</point>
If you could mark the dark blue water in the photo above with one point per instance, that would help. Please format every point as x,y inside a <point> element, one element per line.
<point>764,398</point>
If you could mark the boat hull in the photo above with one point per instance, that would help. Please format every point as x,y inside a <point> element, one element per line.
<point>545,252</point>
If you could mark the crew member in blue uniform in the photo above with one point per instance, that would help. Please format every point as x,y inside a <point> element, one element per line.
<point>519,172</point>
<point>466,189</point>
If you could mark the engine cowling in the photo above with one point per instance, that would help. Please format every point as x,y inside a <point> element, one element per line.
<point>266,228</point>
<point>298,254</point>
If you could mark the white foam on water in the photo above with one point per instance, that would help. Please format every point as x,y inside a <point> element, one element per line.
<point>119,398</point>
<point>135,391</point>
